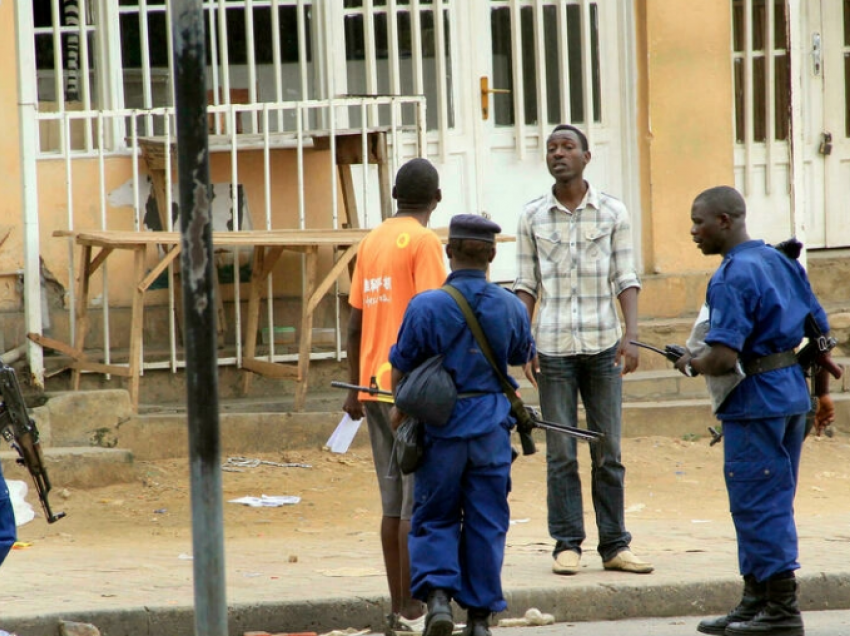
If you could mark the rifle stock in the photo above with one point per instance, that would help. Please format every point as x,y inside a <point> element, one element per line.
<point>17,428</point>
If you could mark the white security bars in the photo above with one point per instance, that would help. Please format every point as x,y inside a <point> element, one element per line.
<point>762,90</point>
<point>404,142</point>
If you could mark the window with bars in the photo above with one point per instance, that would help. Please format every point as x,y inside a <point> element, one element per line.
<point>259,52</point>
<point>67,46</point>
<point>761,70</point>
<point>565,87</point>
<point>398,54</point>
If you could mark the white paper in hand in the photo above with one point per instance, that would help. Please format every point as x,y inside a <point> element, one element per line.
<point>340,440</point>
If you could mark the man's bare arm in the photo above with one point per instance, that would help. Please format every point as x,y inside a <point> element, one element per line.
<point>353,406</point>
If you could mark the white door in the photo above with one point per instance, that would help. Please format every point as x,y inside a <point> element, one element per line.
<point>762,77</point>
<point>835,134</point>
<point>547,62</point>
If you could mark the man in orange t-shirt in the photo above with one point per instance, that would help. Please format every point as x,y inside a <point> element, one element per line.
<point>396,260</point>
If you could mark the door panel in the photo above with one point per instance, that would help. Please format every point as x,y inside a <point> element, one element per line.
<point>836,120</point>
<point>762,168</point>
<point>552,61</point>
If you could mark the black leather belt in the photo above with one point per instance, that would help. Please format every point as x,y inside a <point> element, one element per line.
<point>771,363</point>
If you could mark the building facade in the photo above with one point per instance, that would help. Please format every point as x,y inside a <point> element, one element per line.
<point>675,96</point>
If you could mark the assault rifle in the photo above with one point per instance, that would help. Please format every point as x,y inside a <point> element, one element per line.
<point>524,424</point>
<point>20,431</point>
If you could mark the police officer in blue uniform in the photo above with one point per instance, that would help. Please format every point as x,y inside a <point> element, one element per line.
<point>461,514</point>
<point>758,302</point>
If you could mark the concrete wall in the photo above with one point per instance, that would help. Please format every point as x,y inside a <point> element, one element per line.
<point>685,111</point>
<point>11,219</point>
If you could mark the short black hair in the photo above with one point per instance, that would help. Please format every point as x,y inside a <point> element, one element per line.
<point>723,200</point>
<point>472,251</point>
<point>581,136</point>
<point>416,183</point>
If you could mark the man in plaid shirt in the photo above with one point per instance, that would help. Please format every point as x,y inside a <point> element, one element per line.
<point>574,256</point>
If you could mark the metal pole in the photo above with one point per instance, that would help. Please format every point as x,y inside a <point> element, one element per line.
<point>27,107</point>
<point>199,316</point>
<point>794,11</point>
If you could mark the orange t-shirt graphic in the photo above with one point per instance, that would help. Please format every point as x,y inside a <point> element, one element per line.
<point>396,260</point>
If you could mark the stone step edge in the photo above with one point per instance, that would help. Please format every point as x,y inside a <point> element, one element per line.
<point>74,467</point>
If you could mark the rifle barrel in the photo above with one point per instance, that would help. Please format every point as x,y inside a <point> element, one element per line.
<point>650,347</point>
<point>365,389</point>
<point>573,431</point>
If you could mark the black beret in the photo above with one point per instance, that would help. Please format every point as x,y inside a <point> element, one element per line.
<point>473,226</point>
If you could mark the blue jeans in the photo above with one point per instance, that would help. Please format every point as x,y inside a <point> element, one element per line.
<point>597,379</point>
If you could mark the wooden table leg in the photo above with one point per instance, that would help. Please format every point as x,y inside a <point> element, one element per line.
<point>82,316</point>
<point>306,341</point>
<point>349,198</point>
<point>384,177</point>
<point>136,325</point>
<point>264,261</point>
<point>253,320</point>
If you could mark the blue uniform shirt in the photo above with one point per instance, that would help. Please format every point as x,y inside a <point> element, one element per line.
<point>434,324</point>
<point>758,301</point>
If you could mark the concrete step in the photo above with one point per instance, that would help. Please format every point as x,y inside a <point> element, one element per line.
<point>158,436</point>
<point>163,436</point>
<point>76,467</point>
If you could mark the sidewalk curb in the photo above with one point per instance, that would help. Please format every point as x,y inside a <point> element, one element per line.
<point>643,599</point>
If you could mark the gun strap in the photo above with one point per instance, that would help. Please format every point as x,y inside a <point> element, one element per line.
<point>484,345</point>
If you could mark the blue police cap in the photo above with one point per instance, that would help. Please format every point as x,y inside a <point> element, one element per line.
<point>473,226</point>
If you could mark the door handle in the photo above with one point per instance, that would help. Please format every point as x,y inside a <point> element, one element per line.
<point>485,95</point>
<point>825,144</point>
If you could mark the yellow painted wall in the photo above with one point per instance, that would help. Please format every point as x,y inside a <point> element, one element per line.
<point>686,134</point>
<point>11,217</point>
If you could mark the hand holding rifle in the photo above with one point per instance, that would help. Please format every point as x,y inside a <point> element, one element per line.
<point>676,354</point>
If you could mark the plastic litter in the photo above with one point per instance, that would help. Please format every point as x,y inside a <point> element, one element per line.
<point>23,511</point>
<point>533,617</point>
<point>267,501</point>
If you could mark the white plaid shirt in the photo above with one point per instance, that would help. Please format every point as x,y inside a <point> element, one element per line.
<point>575,264</point>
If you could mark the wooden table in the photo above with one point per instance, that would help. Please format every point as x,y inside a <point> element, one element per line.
<point>268,247</point>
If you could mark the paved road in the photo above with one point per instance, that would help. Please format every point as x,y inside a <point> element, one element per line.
<point>834,623</point>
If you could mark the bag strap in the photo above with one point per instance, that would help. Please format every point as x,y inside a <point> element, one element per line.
<point>484,345</point>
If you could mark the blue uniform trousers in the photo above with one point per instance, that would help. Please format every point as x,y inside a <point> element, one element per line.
<point>461,518</point>
<point>7,520</point>
<point>761,465</point>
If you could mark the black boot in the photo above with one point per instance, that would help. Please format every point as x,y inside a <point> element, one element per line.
<point>779,617</point>
<point>477,622</point>
<point>752,602</point>
<point>439,620</point>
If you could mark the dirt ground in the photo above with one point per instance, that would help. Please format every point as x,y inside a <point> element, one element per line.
<point>666,479</point>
